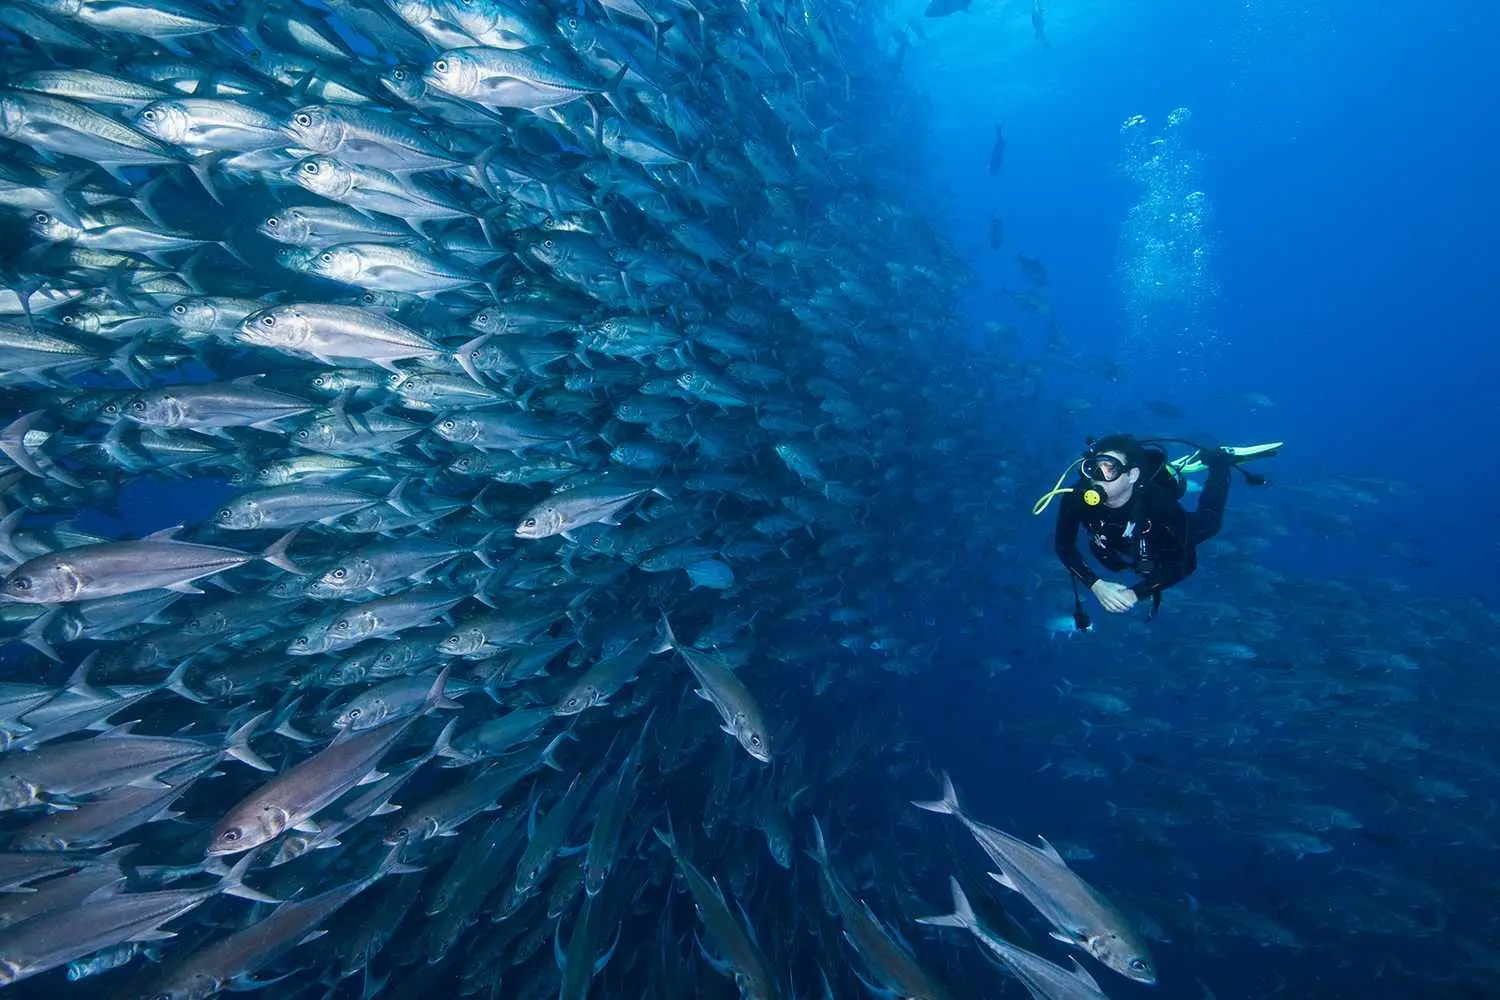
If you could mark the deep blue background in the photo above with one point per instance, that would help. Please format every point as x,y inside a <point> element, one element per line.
<point>1349,152</point>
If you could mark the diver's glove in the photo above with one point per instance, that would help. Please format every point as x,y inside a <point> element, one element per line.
<point>1215,459</point>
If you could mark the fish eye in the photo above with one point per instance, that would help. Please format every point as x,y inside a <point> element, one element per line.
<point>326,258</point>
<point>483,319</point>
<point>441,65</point>
<point>341,626</point>
<point>139,406</point>
<point>20,583</point>
<point>303,435</point>
<point>547,244</point>
<point>449,425</point>
<point>340,573</point>
<point>69,320</point>
<point>272,222</point>
<point>354,713</point>
<point>1136,965</point>
<point>572,22</point>
<point>224,514</point>
<point>179,309</point>
<point>303,118</point>
<point>755,741</point>
<point>398,74</point>
<point>268,321</point>
<point>231,835</point>
<point>301,640</point>
<point>41,218</point>
<point>403,833</point>
<point>149,114</point>
<point>309,167</point>
<point>530,522</point>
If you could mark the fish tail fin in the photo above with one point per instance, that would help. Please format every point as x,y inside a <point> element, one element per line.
<point>176,682</point>
<point>669,837</point>
<point>233,882</point>
<point>34,635</point>
<point>435,699</point>
<point>284,726</point>
<point>668,640</point>
<point>948,804</point>
<point>78,682</point>
<point>391,864</point>
<point>7,535</point>
<point>13,443</point>
<point>962,915</point>
<point>465,357</point>
<point>551,748</point>
<point>277,556</point>
<point>237,745</point>
<point>819,852</point>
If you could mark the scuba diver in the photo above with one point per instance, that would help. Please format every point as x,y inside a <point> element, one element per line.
<point>1128,499</point>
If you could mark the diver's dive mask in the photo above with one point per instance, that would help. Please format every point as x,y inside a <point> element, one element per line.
<point>1102,468</point>
<point>1099,468</point>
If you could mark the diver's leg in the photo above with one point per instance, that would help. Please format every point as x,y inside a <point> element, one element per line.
<point>1204,523</point>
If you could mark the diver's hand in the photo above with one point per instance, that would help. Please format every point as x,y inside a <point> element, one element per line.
<point>1215,458</point>
<point>1113,596</point>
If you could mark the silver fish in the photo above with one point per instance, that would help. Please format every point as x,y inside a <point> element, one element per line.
<point>1079,915</point>
<point>721,687</point>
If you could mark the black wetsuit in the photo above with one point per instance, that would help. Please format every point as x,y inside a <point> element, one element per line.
<point>1150,533</point>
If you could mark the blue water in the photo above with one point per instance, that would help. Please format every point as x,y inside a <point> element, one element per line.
<point>1348,152</point>
<point>1337,161</point>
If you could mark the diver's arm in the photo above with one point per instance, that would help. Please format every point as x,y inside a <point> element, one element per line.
<point>1066,542</point>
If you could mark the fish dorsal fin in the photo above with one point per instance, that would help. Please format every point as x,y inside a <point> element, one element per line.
<point>1082,975</point>
<point>164,535</point>
<point>1051,851</point>
<point>123,729</point>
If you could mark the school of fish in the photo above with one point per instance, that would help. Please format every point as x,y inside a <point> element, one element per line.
<point>546,443</point>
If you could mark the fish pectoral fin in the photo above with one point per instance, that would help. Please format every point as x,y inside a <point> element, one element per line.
<point>384,270</point>
<point>1005,880</point>
<point>147,783</point>
<point>1082,975</point>
<point>183,588</point>
<point>1075,939</point>
<point>721,966</point>
<point>373,777</point>
<point>1051,851</point>
<point>308,826</point>
<point>246,983</point>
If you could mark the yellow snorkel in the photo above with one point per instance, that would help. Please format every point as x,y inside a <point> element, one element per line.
<point>1058,489</point>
